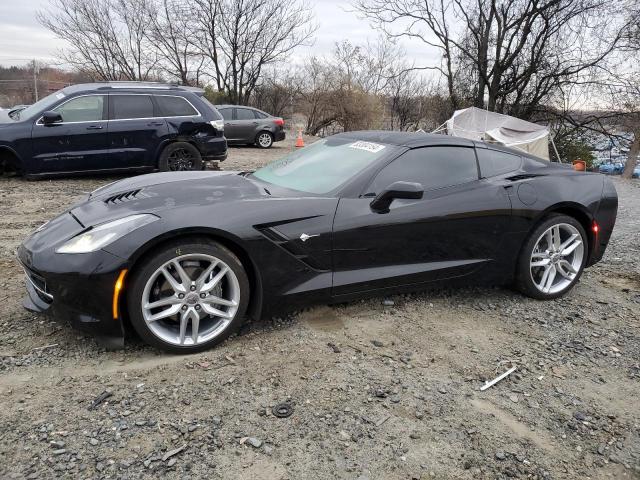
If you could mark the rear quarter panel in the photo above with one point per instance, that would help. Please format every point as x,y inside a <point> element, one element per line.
<point>533,199</point>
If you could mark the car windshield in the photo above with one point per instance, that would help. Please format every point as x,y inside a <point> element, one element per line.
<point>39,107</point>
<point>322,166</point>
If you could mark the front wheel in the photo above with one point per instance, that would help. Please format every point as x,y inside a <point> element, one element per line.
<point>264,140</point>
<point>188,297</point>
<point>180,156</point>
<point>552,258</point>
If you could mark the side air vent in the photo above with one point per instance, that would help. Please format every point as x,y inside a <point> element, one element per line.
<point>524,176</point>
<point>122,197</point>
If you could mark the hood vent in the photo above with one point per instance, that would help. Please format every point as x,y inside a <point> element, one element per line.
<point>122,197</point>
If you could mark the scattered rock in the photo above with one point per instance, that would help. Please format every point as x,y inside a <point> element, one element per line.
<point>580,416</point>
<point>173,452</point>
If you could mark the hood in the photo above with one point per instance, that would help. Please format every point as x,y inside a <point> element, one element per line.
<point>158,192</point>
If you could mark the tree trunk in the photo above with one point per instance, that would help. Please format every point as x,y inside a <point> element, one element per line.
<point>632,158</point>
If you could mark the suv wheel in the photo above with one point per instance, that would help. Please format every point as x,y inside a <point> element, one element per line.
<point>180,156</point>
<point>264,140</point>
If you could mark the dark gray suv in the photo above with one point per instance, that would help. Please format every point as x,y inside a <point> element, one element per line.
<point>247,125</point>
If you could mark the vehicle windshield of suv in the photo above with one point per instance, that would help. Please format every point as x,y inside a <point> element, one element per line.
<point>323,166</point>
<point>40,106</point>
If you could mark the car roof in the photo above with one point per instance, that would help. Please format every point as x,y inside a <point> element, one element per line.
<point>421,139</point>
<point>406,139</point>
<point>121,85</point>
<point>228,105</point>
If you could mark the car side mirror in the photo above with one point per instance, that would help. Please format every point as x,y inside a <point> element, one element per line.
<point>49,118</point>
<point>408,190</point>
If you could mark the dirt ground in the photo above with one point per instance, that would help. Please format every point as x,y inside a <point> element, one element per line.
<point>379,390</point>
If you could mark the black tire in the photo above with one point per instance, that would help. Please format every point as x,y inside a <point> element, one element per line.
<point>10,166</point>
<point>267,142</point>
<point>524,281</point>
<point>180,156</point>
<point>150,264</point>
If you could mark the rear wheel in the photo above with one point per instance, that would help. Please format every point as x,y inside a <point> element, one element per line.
<point>264,140</point>
<point>188,297</point>
<point>180,156</point>
<point>553,258</point>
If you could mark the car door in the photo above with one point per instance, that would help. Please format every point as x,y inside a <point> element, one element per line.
<point>246,124</point>
<point>135,131</point>
<point>230,126</point>
<point>453,230</point>
<point>78,142</point>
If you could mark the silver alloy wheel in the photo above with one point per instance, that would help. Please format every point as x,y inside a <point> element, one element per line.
<point>557,258</point>
<point>190,299</point>
<point>264,139</point>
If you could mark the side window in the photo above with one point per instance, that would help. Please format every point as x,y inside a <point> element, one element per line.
<point>82,109</point>
<point>244,114</point>
<point>226,113</point>
<point>493,162</point>
<point>259,114</point>
<point>175,106</point>
<point>131,106</point>
<point>433,167</point>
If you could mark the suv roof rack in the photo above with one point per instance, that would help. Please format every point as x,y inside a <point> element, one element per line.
<point>157,86</point>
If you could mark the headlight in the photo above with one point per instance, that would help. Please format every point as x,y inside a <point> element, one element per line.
<point>217,124</point>
<point>104,234</point>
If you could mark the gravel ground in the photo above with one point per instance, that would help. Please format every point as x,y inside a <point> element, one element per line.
<point>380,389</point>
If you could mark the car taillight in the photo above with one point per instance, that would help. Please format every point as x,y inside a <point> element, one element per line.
<point>217,124</point>
<point>279,122</point>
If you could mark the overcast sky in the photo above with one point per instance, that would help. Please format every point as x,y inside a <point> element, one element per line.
<point>23,39</point>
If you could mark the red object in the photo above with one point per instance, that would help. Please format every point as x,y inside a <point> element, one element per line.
<point>595,227</point>
<point>579,165</point>
<point>299,140</point>
<point>279,122</point>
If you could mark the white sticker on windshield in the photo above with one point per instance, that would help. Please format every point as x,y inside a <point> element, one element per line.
<point>59,96</point>
<point>367,146</point>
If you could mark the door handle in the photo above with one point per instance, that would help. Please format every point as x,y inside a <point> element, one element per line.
<point>155,124</point>
<point>94,127</point>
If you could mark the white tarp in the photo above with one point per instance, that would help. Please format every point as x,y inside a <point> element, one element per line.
<point>478,124</point>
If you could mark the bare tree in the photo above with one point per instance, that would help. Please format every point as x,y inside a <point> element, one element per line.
<point>631,90</point>
<point>107,38</point>
<point>315,95</point>
<point>278,90</point>
<point>171,27</point>
<point>517,52</point>
<point>242,37</point>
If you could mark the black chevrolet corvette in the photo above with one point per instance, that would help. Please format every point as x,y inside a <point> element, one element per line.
<point>183,257</point>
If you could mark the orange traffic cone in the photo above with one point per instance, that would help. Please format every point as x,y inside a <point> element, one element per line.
<point>299,140</point>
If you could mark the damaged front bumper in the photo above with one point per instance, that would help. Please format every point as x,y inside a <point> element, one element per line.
<point>78,289</point>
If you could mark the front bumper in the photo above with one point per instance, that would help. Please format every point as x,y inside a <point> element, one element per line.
<point>77,289</point>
